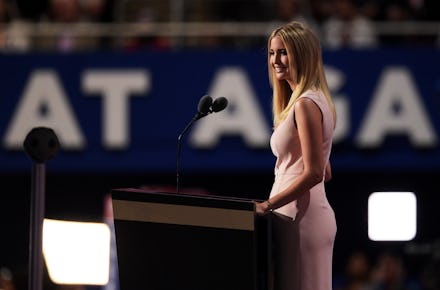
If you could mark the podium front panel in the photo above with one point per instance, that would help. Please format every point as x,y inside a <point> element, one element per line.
<point>168,241</point>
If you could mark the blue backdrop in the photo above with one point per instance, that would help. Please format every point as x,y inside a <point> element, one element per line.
<point>123,112</point>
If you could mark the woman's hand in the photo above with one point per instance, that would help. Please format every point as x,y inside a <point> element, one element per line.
<point>262,208</point>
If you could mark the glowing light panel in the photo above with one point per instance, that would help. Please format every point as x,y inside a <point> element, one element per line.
<point>76,252</point>
<point>392,216</point>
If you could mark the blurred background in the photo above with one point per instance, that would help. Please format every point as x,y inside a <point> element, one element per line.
<point>119,80</point>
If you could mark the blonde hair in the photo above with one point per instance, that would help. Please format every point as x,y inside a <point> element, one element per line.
<point>305,66</point>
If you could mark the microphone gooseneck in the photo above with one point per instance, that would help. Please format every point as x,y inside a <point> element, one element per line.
<point>205,107</point>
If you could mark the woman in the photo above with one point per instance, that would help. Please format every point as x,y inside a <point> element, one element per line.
<point>304,121</point>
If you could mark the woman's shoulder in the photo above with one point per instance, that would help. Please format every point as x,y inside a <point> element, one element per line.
<point>315,97</point>
<point>312,94</point>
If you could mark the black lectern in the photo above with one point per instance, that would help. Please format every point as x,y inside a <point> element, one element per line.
<point>168,241</point>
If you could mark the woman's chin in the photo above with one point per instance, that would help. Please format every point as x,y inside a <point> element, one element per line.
<point>281,76</point>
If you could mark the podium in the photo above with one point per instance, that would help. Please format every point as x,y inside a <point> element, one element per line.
<point>168,241</point>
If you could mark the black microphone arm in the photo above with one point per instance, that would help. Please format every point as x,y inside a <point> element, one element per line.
<point>205,107</point>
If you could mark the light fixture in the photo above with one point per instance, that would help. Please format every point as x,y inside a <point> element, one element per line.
<point>392,216</point>
<point>76,252</point>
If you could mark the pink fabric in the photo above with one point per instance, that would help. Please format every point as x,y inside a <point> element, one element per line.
<point>306,247</point>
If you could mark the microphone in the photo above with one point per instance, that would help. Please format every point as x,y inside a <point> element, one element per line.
<point>219,104</point>
<point>205,107</point>
<point>41,144</point>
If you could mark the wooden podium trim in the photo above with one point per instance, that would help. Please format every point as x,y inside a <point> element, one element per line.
<point>183,215</point>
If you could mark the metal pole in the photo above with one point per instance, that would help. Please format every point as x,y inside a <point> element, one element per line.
<point>36,226</point>
<point>41,144</point>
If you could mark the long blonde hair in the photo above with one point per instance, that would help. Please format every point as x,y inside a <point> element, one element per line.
<point>305,66</point>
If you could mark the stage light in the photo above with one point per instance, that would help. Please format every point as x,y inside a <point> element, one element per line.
<point>76,252</point>
<point>392,216</point>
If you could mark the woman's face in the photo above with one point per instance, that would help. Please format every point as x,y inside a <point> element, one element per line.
<point>279,59</point>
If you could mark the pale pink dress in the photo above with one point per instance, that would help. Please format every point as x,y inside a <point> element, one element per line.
<point>304,248</point>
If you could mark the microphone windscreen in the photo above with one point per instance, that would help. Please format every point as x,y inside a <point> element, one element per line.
<point>204,104</point>
<point>41,144</point>
<point>219,104</point>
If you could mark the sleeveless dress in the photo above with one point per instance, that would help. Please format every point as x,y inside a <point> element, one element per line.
<point>304,248</point>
